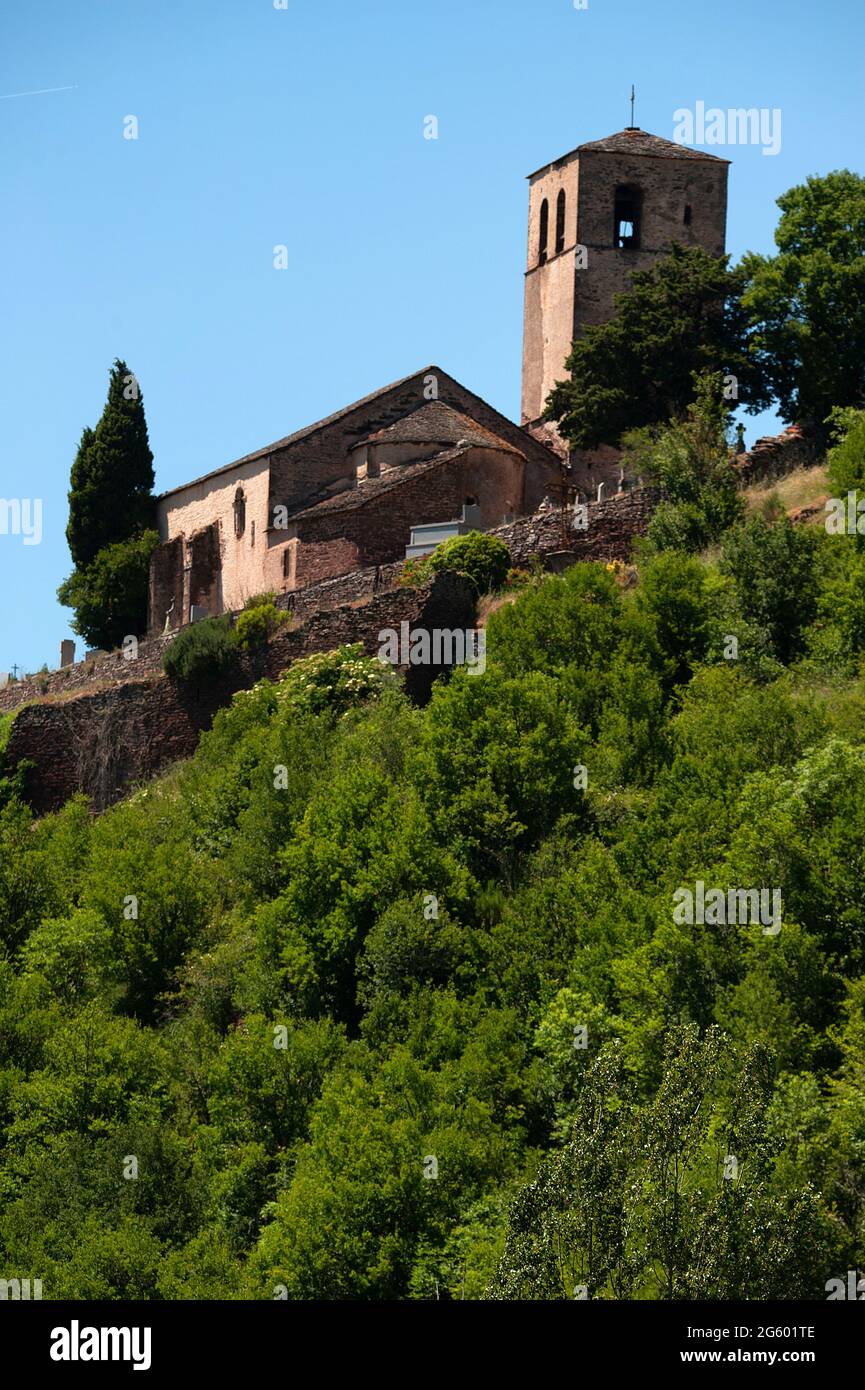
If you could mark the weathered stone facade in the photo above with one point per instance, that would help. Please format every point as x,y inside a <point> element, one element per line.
<point>665,192</point>
<point>341,494</point>
<point>375,527</point>
<point>608,535</point>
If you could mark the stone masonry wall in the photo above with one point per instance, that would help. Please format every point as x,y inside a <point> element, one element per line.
<point>612,526</point>
<point>609,535</point>
<point>112,668</point>
<point>105,742</point>
<point>380,528</point>
<point>775,455</point>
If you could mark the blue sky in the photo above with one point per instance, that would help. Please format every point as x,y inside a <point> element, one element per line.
<point>304,127</point>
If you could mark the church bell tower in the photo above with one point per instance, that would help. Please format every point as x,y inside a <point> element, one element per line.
<point>596,215</point>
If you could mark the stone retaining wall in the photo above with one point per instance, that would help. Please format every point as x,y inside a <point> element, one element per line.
<point>106,741</point>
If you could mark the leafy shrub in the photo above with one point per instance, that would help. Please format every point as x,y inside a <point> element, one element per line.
<point>415,571</point>
<point>201,650</point>
<point>334,680</point>
<point>259,620</point>
<point>10,786</point>
<point>261,600</point>
<point>690,460</point>
<point>677,527</point>
<point>484,560</point>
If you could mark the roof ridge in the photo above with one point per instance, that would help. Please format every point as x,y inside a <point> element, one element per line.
<point>302,433</point>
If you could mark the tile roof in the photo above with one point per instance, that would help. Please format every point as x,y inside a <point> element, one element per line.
<point>436,423</point>
<point>301,433</point>
<point>633,140</point>
<point>308,430</point>
<point>368,488</point>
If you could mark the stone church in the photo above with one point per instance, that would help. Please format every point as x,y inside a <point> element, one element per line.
<point>347,492</point>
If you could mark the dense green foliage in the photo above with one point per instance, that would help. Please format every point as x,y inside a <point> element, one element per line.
<point>690,460</point>
<point>484,560</point>
<point>111,519</point>
<point>789,329</point>
<point>846,459</point>
<point>807,303</point>
<point>110,596</point>
<point>201,650</point>
<point>207,648</point>
<point>259,620</point>
<point>11,784</point>
<point>683,316</point>
<point>386,1002</point>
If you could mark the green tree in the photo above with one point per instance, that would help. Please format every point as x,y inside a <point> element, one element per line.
<point>774,572</point>
<point>807,303</point>
<point>567,1229</point>
<point>111,518</point>
<point>109,596</point>
<point>690,460</point>
<point>846,458</point>
<point>111,486</point>
<point>682,316</point>
<point>673,594</point>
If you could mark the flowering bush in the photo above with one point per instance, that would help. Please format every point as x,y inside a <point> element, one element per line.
<point>334,680</point>
<point>414,572</point>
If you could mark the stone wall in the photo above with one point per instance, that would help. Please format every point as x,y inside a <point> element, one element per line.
<point>609,535</point>
<point>775,455</point>
<point>612,527</point>
<point>106,741</point>
<point>166,586</point>
<point>111,668</point>
<point>376,531</point>
<point>353,587</point>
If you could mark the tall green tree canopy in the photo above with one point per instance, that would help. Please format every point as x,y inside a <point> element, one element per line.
<point>807,303</point>
<point>683,316</point>
<point>111,486</point>
<point>111,524</point>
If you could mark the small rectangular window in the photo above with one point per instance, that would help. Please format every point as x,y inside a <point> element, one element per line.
<point>560,222</point>
<point>626,217</point>
<point>687,217</point>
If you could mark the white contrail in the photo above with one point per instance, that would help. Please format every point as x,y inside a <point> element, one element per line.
<point>41,93</point>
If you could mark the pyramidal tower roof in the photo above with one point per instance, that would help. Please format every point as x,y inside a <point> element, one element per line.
<point>633,140</point>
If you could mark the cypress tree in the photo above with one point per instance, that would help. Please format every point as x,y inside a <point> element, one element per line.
<point>111,485</point>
